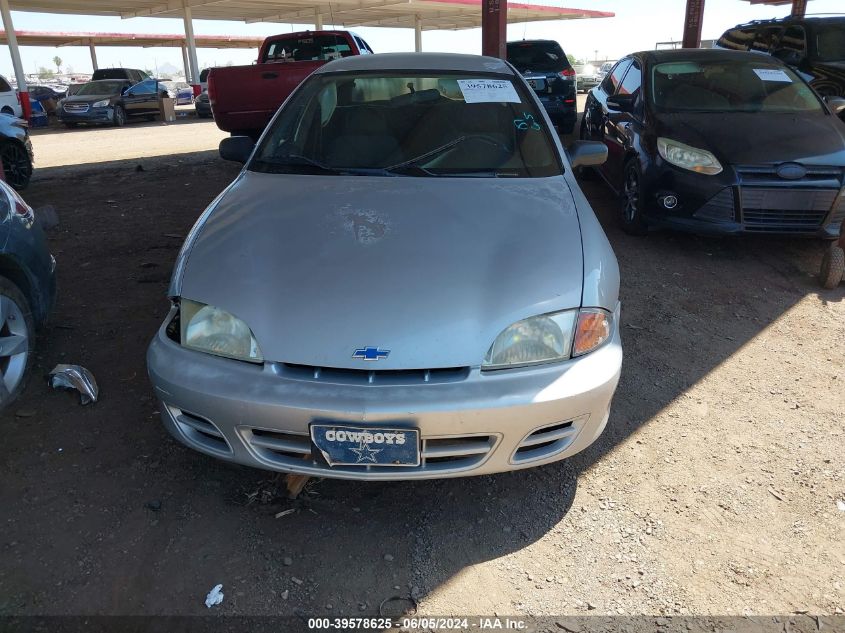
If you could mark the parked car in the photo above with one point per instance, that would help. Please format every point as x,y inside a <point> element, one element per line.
<point>132,75</point>
<point>244,98</point>
<point>179,90</point>
<point>718,141</point>
<point>112,101</point>
<point>202,105</point>
<point>586,76</point>
<point>10,102</point>
<point>16,154</point>
<point>27,289</point>
<point>814,46</point>
<point>504,354</point>
<point>604,69</point>
<point>547,70</point>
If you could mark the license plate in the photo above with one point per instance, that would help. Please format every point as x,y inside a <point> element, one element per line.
<point>343,445</point>
<point>537,84</point>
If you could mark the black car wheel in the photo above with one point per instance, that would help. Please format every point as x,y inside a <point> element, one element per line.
<point>17,165</point>
<point>833,267</point>
<point>119,116</point>
<point>631,215</point>
<point>7,110</point>
<point>17,333</point>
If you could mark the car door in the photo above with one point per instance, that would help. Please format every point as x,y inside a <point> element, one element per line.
<point>596,114</point>
<point>620,126</point>
<point>142,98</point>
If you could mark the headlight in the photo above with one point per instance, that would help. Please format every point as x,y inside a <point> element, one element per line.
<point>549,338</point>
<point>100,104</point>
<point>697,160</point>
<point>209,329</point>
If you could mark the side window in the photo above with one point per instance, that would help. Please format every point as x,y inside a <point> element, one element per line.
<point>366,46</point>
<point>146,87</point>
<point>633,80</point>
<point>614,77</point>
<point>766,38</point>
<point>362,46</point>
<point>4,85</point>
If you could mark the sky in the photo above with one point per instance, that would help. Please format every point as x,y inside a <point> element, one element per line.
<point>638,25</point>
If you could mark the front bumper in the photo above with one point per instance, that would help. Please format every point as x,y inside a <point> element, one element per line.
<point>745,199</point>
<point>483,423</point>
<point>203,107</point>
<point>93,115</point>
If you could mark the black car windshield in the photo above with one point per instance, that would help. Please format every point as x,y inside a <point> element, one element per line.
<point>830,42</point>
<point>409,125</point>
<point>101,88</point>
<point>537,56</point>
<point>751,85</point>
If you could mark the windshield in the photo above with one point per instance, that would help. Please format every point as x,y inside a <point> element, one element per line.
<point>537,56</point>
<point>308,48</point>
<point>730,86</point>
<point>101,88</point>
<point>409,125</point>
<point>830,42</point>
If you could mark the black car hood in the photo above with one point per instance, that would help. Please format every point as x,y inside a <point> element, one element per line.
<point>755,138</point>
<point>88,98</point>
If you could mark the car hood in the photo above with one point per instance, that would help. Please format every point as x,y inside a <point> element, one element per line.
<point>432,269</point>
<point>88,98</point>
<point>815,139</point>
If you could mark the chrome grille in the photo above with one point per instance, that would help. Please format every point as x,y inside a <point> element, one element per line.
<point>75,108</point>
<point>380,377</point>
<point>777,209</point>
<point>286,449</point>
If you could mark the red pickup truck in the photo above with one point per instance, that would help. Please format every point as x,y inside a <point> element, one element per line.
<point>244,98</point>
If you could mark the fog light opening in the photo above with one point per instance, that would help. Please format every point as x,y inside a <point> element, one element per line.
<point>669,201</point>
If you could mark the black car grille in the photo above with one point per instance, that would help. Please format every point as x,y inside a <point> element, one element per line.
<point>376,377</point>
<point>780,209</point>
<point>720,208</point>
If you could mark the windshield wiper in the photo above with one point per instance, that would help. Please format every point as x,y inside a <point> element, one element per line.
<point>302,161</point>
<point>430,154</point>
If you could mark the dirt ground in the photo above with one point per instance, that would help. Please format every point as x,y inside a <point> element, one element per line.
<point>717,488</point>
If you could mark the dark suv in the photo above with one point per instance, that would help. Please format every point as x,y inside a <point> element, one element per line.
<point>129,74</point>
<point>546,69</point>
<point>814,46</point>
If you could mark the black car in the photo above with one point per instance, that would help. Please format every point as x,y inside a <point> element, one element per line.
<point>546,69</point>
<point>718,141</point>
<point>27,289</point>
<point>15,151</point>
<point>112,101</point>
<point>132,75</point>
<point>203,105</point>
<point>814,46</point>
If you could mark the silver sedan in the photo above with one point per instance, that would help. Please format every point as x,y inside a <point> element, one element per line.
<point>404,282</point>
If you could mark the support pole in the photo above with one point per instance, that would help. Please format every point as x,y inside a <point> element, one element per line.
<point>93,50</point>
<point>494,24</point>
<point>192,47</point>
<point>15,52</point>
<point>799,8</point>
<point>318,20</point>
<point>417,33</point>
<point>186,64</point>
<point>692,24</point>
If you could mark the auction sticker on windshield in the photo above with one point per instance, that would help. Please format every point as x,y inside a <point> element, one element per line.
<point>343,445</point>
<point>772,74</point>
<point>488,91</point>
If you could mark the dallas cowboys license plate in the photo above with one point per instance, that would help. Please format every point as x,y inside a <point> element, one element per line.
<point>355,446</point>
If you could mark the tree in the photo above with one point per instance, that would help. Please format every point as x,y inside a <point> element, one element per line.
<point>571,58</point>
<point>58,62</point>
<point>45,73</point>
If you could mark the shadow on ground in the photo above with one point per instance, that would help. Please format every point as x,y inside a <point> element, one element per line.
<point>105,513</point>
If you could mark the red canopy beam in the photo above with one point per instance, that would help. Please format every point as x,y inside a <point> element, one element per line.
<point>494,25</point>
<point>692,24</point>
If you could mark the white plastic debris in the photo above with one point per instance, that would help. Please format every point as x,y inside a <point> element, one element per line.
<point>214,597</point>
<point>75,377</point>
<point>841,505</point>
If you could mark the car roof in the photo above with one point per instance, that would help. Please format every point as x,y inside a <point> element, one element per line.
<point>437,62</point>
<point>792,19</point>
<point>702,54</point>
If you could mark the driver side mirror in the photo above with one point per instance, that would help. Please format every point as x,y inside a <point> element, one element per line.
<point>836,104</point>
<point>587,153</point>
<point>236,148</point>
<point>621,103</point>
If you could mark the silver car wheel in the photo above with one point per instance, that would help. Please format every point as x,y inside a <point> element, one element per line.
<point>14,346</point>
<point>632,195</point>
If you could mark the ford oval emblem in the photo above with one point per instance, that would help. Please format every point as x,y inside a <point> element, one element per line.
<point>791,171</point>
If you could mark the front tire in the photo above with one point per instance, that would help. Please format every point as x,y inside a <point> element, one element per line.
<point>118,116</point>
<point>17,166</point>
<point>833,267</point>
<point>631,211</point>
<point>17,337</point>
